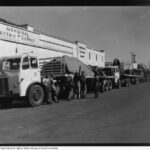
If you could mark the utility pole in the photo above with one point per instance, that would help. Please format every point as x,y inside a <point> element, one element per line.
<point>132,58</point>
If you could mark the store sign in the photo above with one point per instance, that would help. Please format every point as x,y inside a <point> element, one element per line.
<point>18,35</point>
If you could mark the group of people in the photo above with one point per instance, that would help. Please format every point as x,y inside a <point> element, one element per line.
<point>74,87</point>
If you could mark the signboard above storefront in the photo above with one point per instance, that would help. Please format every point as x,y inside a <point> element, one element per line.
<point>18,35</point>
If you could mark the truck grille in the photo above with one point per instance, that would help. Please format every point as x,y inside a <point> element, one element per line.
<point>4,86</point>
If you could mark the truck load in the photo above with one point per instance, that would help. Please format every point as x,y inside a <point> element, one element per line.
<point>64,65</point>
<point>64,68</point>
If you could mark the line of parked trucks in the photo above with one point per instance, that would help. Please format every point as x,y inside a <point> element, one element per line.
<point>21,77</point>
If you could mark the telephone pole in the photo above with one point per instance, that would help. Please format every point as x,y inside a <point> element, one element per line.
<point>132,59</point>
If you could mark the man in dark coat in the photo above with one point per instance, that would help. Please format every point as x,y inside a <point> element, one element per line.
<point>54,91</point>
<point>83,84</point>
<point>47,83</point>
<point>77,84</point>
<point>96,83</point>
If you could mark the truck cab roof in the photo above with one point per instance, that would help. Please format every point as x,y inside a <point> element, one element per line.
<point>17,56</point>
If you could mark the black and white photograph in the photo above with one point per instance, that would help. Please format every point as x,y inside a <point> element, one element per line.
<point>75,75</point>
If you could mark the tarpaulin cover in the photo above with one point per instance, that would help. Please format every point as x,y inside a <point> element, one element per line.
<point>72,65</point>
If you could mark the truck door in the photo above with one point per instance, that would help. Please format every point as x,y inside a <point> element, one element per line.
<point>24,75</point>
<point>34,70</point>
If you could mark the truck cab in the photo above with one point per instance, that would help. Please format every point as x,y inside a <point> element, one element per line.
<point>20,77</point>
<point>112,73</point>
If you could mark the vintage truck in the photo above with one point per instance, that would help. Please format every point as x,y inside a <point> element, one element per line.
<point>21,76</point>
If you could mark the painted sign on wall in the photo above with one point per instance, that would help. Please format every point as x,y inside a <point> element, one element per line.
<point>18,35</point>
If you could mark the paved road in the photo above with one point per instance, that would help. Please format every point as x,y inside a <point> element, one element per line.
<point>122,115</point>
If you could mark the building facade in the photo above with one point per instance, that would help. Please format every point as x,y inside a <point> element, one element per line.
<point>18,39</point>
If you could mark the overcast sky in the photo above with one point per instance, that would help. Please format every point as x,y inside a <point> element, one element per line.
<point>119,30</point>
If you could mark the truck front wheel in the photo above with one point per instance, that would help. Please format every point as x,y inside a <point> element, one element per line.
<point>35,95</point>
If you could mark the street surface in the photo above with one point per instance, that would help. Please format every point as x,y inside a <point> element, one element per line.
<point>119,116</point>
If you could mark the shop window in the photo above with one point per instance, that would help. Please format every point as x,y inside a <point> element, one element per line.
<point>34,62</point>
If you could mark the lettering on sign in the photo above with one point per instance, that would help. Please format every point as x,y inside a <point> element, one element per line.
<point>18,35</point>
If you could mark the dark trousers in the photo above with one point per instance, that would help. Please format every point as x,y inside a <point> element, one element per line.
<point>96,89</point>
<point>77,89</point>
<point>54,94</point>
<point>48,95</point>
<point>83,88</point>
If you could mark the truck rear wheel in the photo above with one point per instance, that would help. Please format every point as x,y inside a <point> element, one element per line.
<point>36,95</point>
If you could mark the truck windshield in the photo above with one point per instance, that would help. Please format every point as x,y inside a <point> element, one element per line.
<point>108,71</point>
<point>11,64</point>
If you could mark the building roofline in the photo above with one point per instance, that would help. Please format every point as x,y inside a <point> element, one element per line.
<point>54,36</point>
<point>5,22</point>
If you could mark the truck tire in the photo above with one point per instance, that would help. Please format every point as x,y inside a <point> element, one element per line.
<point>35,95</point>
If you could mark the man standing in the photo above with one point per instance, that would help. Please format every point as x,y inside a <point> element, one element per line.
<point>54,91</point>
<point>77,84</point>
<point>47,83</point>
<point>83,84</point>
<point>69,88</point>
<point>96,83</point>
